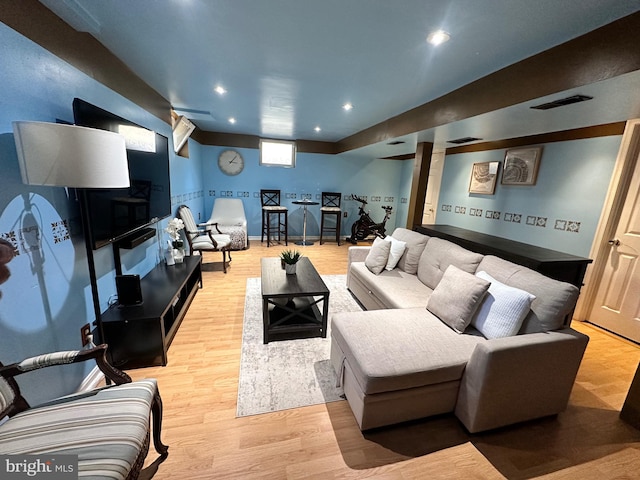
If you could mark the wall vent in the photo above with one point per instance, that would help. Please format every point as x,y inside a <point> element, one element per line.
<point>562,102</point>
<point>396,142</point>
<point>459,141</point>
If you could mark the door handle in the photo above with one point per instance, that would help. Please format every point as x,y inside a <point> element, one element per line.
<point>614,242</point>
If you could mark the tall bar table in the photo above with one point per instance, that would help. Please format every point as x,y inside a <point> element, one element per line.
<point>305,203</point>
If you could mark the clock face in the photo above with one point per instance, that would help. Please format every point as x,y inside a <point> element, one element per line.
<point>230,162</point>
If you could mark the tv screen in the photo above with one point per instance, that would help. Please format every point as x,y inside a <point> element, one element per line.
<point>118,212</point>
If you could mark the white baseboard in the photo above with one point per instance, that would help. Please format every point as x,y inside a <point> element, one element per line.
<point>91,381</point>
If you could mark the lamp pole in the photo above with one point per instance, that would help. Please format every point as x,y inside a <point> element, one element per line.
<point>93,278</point>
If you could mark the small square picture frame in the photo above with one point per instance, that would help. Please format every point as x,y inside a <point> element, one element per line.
<point>521,166</point>
<point>483,178</point>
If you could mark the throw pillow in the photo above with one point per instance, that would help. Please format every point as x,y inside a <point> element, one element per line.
<point>378,255</point>
<point>503,310</point>
<point>396,251</point>
<point>457,297</point>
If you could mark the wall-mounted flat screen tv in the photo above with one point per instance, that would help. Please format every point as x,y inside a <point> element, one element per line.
<point>118,212</point>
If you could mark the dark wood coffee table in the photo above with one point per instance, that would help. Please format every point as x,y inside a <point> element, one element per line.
<point>290,302</point>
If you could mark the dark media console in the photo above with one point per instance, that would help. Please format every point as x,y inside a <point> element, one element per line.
<point>140,335</point>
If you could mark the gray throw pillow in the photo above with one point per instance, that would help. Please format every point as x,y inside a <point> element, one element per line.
<point>378,255</point>
<point>457,297</point>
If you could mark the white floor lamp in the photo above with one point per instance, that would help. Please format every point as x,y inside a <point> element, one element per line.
<point>60,155</point>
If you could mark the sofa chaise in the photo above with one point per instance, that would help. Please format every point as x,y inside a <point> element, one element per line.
<point>450,330</point>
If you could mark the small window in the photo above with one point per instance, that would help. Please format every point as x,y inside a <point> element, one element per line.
<point>278,153</point>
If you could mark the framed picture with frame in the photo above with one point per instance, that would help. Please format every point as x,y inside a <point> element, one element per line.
<point>483,178</point>
<point>521,166</point>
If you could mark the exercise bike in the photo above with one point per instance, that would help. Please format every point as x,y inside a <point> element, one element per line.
<point>365,226</point>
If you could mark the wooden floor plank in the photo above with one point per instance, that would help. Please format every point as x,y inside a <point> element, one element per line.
<point>206,440</point>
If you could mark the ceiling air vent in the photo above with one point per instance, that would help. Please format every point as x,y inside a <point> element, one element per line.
<point>562,102</point>
<point>459,141</point>
<point>396,142</point>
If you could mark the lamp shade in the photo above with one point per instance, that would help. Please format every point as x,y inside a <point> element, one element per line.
<point>70,156</point>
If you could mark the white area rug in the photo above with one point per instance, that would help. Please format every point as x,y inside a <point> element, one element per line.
<point>291,373</point>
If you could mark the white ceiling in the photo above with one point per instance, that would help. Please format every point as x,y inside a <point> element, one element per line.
<point>289,65</point>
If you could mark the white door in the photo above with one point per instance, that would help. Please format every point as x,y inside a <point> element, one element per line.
<point>617,302</point>
<point>433,189</point>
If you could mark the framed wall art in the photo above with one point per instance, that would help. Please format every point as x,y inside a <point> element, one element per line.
<point>521,166</point>
<point>483,178</point>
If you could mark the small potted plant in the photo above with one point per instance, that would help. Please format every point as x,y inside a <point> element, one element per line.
<point>289,259</point>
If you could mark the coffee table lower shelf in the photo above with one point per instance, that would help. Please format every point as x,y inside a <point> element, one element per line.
<point>288,318</point>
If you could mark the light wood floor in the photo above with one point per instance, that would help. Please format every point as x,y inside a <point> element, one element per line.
<point>207,441</point>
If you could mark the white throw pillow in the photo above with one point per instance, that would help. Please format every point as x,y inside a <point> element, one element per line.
<point>378,255</point>
<point>503,309</point>
<point>396,251</point>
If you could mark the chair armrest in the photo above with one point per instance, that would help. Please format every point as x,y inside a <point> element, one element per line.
<point>513,379</point>
<point>208,226</point>
<point>62,358</point>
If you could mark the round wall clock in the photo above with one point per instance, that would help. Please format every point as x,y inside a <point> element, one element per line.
<point>231,162</point>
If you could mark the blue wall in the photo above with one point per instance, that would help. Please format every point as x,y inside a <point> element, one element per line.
<point>561,211</point>
<point>381,181</point>
<point>47,297</point>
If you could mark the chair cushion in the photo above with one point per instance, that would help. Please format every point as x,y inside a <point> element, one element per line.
<point>274,208</point>
<point>203,242</point>
<point>330,209</point>
<point>237,235</point>
<point>106,428</point>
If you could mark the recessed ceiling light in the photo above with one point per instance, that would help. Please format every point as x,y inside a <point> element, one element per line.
<point>438,37</point>
<point>232,120</point>
<point>347,106</point>
<point>317,129</point>
<point>220,90</point>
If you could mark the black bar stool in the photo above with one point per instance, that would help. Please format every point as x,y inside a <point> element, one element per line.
<point>330,206</point>
<point>272,216</point>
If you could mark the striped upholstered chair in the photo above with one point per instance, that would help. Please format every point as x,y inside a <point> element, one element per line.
<point>107,428</point>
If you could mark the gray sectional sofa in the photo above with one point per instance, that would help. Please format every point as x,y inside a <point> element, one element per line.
<point>417,350</point>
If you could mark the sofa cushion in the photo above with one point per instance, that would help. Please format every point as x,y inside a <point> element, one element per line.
<point>93,426</point>
<point>457,297</point>
<point>393,288</point>
<point>503,309</point>
<point>438,255</point>
<point>378,255</point>
<point>391,350</point>
<point>395,253</point>
<point>554,300</point>
<point>415,245</point>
